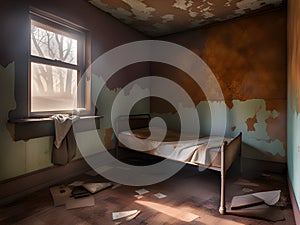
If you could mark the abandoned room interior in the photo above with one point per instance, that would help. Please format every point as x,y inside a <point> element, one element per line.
<point>150,112</point>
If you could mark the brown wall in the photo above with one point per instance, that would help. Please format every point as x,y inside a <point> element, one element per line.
<point>248,58</point>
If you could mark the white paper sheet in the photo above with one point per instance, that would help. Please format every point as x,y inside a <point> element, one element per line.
<point>269,197</point>
<point>160,195</point>
<point>119,215</point>
<point>142,191</point>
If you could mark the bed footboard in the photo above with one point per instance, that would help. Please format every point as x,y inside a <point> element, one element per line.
<point>229,153</point>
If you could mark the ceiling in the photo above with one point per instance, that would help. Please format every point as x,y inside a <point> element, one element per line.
<point>161,17</point>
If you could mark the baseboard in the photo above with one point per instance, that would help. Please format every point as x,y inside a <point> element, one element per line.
<point>23,185</point>
<point>294,202</point>
<point>253,166</point>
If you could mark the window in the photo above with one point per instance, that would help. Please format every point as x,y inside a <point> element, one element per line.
<point>57,61</point>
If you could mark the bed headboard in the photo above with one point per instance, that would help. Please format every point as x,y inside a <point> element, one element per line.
<point>136,121</point>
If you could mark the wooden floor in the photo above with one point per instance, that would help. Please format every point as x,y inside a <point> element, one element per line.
<point>189,192</point>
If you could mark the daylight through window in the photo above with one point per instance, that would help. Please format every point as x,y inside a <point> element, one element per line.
<point>56,62</point>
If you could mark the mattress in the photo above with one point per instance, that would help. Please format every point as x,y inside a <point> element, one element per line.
<point>204,151</point>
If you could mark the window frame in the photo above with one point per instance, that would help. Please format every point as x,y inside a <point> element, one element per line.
<point>58,25</point>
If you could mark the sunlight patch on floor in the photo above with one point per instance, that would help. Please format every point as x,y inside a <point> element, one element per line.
<point>184,215</point>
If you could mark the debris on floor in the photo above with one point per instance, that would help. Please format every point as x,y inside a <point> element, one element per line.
<point>60,194</point>
<point>76,183</point>
<point>142,191</point>
<point>129,218</point>
<point>119,215</point>
<point>138,196</point>
<point>257,205</point>
<point>160,195</point>
<point>79,192</point>
<point>96,187</point>
<point>73,203</point>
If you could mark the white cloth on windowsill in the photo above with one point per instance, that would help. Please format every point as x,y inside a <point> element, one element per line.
<point>64,147</point>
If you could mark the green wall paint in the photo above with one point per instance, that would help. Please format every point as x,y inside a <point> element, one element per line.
<point>21,157</point>
<point>257,143</point>
<point>293,109</point>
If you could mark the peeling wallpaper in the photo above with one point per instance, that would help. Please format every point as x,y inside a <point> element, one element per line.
<point>156,17</point>
<point>251,71</point>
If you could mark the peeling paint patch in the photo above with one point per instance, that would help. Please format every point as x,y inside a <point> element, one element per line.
<point>192,14</point>
<point>140,9</point>
<point>183,4</point>
<point>228,3</point>
<point>233,128</point>
<point>167,18</point>
<point>245,5</point>
<point>250,123</point>
<point>249,117</point>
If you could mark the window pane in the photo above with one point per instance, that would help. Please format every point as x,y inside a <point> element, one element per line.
<point>52,45</point>
<point>52,88</point>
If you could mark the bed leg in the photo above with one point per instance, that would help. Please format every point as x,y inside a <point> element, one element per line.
<point>222,208</point>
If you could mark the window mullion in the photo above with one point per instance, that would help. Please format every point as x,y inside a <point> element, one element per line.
<point>57,63</point>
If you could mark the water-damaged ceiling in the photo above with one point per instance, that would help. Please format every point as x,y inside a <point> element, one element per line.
<point>161,17</point>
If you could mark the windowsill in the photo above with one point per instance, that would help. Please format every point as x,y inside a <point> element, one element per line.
<point>29,128</point>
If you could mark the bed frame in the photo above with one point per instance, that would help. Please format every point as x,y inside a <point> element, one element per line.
<point>229,151</point>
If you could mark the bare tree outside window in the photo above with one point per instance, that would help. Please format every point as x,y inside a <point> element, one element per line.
<point>53,81</point>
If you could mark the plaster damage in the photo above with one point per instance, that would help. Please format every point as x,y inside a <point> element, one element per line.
<point>245,5</point>
<point>249,117</point>
<point>148,16</point>
<point>167,18</point>
<point>140,9</point>
<point>183,4</point>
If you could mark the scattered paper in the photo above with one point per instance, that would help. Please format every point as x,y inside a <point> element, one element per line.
<point>254,199</point>
<point>95,187</point>
<point>76,183</point>
<point>118,223</point>
<point>119,215</point>
<point>133,216</point>
<point>139,196</point>
<point>60,194</point>
<point>142,191</point>
<point>92,173</point>
<point>160,195</point>
<point>269,197</point>
<point>73,203</point>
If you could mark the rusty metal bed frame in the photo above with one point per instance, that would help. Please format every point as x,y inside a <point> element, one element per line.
<point>228,152</point>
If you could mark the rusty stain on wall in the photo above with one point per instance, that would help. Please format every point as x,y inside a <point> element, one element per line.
<point>149,16</point>
<point>250,123</point>
<point>250,69</point>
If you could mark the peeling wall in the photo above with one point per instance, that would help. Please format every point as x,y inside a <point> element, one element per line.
<point>156,17</point>
<point>251,71</point>
<point>293,96</point>
<point>18,158</point>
